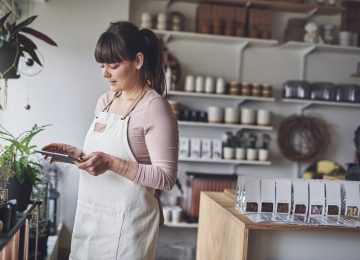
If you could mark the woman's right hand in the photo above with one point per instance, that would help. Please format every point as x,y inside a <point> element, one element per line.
<point>64,149</point>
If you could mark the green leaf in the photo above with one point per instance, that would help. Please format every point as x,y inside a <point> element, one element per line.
<point>3,19</point>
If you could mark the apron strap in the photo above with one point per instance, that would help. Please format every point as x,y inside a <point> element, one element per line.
<point>107,107</point>
<point>133,105</point>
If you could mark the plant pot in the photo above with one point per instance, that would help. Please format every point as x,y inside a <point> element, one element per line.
<point>20,192</point>
<point>251,154</point>
<point>263,154</point>
<point>228,153</point>
<point>240,153</point>
<point>9,61</point>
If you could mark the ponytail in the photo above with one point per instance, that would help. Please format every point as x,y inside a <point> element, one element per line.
<point>153,70</point>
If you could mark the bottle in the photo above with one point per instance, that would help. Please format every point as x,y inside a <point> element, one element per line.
<point>168,75</point>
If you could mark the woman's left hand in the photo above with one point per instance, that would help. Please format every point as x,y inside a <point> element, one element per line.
<point>95,163</point>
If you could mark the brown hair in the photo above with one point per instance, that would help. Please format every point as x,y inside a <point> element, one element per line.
<point>122,41</point>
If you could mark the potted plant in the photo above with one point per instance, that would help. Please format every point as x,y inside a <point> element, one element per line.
<point>14,43</point>
<point>251,151</point>
<point>18,168</point>
<point>240,146</point>
<point>228,146</point>
<point>264,148</point>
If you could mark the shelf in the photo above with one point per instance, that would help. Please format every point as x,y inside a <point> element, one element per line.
<point>181,225</point>
<point>212,38</point>
<point>275,6</point>
<point>356,74</point>
<point>227,126</point>
<point>322,47</point>
<point>223,161</point>
<point>218,96</point>
<point>318,102</point>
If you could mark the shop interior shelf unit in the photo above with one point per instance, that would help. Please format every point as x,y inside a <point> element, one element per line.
<point>307,103</point>
<point>274,6</point>
<point>226,126</point>
<point>224,161</point>
<point>212,38</point>
<point>322,47</point>
<point>181,225</point>
<point>219,96</point>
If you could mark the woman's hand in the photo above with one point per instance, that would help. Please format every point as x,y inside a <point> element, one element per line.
<point>96,163</point>
<point>64,149</point>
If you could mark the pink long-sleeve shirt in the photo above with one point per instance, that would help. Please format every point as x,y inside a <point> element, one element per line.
<point>153,136</point>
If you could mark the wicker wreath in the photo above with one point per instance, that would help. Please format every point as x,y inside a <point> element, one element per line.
<point>303,138</point>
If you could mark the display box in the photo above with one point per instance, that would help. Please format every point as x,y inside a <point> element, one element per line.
<point>316,198</point>
<point>184,147</point>
<point>216,149</point>
<point>195,148</point>
<point>301,197</point>
<point>333,198</point>
<point>283,196</point>
<point>267,195</point>
<point>352,196</point>
<point>206,150</point>
<point>251,188</point>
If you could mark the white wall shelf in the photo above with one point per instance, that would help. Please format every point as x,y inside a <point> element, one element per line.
<point>319,102</point>
<point>218,96</point>
<point>322,47</point>
<point>226,126</point>
<point>181,225</point>
<point>212,38</point>
<point>223,161</point>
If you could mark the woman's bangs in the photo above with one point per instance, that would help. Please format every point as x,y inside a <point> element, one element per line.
<point>108,49</point>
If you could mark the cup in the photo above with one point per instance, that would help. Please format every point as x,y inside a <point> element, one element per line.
<point>248,116</point>
<point>215,114</point>
<point>263,117</point>
<point>209,85</point>
<point>199,84</point>
<point>232,115</point>
<point>189,83</point>
<point>220,85</point>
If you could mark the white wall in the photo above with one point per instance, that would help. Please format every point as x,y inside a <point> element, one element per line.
<point>64,94</point>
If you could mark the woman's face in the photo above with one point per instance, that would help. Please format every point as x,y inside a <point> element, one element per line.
<point>121,76</point>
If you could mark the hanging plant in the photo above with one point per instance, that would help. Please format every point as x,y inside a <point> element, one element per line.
<point>14,43</point>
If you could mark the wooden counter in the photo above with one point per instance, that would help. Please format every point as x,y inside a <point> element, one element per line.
<point>224,233</point>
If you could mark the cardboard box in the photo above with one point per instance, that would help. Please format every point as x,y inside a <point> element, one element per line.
<point>216,149</point>
<point>206,149</point>
<point>195,148</point>
<point>184,147</point>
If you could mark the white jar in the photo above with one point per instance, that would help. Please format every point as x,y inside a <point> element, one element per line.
<point>215,114</point>
<point>232,115</point>
<point>248,116</point>
<point>220,86</point>
<point>176,213</point>
<point>209,85</point>
<point>189,83</point>
<point>199,84</point>
<point>167,214</point>
<point>263,117</point>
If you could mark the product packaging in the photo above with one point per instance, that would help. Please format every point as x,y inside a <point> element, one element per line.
<point>333,198</point>
<point>195,148</point>
<point>283,196</point>
<point>301,197</point>
<point>216,149</point>
<point>251,189</point>
<point>206,150</point>
<point>184,147</point>
<point>267,194</point>
<point>352,197</point>
<point>316,198</point>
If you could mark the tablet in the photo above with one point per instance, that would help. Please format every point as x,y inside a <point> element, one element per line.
<point>58,156</point>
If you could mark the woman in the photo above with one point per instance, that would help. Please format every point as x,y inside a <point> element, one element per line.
<point>130,150</point>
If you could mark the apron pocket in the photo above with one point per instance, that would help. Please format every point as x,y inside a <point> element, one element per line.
<point>96,233</point>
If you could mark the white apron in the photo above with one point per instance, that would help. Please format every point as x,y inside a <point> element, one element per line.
<point>115,218</point>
